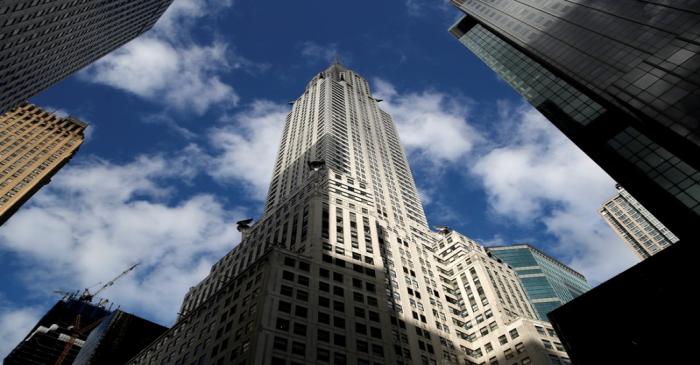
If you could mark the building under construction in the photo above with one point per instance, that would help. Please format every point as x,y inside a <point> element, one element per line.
<point>46,342</point>
<point>76,331</point>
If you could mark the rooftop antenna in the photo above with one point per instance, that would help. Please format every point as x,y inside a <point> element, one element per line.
<point>336,61</point>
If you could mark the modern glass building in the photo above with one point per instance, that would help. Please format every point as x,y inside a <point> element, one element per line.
<point>45,41</point>
<point>118,338</point>
<point>548,282</point>
<point>617,323</point>
<point>620,78</point>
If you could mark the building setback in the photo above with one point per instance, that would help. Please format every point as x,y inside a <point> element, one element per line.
<point>342,267</point>
<point>635,225</point>
<point>548,282</point>
<point>44,41</point>
<point>34,145</point>
<point>620,78</point>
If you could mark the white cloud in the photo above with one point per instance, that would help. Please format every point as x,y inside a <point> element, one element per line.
<point>247,146</point>
<point>185,77</point>
<point>165,120</point>
<point>15,324</point>
<point>426,195</point>
<point>538,176</point>
<point>432,125</point>
<point>181,15</point>
<point>167,66</point>
<point>97,218</point>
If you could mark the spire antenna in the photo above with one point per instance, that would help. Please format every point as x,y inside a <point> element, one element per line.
<point>336,61</point>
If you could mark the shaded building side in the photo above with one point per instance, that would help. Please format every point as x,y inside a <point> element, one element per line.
<point>621,79</point>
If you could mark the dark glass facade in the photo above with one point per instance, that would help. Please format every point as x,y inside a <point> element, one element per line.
<point>117,339</point>
<point>620,78</point>
<point>641,316</point>
<point>548,282</point>
<point>44,41</point>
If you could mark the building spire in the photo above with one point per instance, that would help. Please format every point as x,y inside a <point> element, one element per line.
<point>335,69</point>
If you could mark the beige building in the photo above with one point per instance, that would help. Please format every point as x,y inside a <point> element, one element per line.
<point>34,145</point>
<point>635,225</point>
<point>342,267</point>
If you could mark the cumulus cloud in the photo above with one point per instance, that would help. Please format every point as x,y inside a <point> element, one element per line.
<point>246,147</point>
<point>182,14</point>
<point>184,77</point>
<point>15,324</point>
<point>167,66</point>
<point>97,218</point>
<point>536,175</point>
<point>432,125</point>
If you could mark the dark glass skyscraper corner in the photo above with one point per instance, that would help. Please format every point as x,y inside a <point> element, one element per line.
<point>43,42</point>
<point>620,78</point>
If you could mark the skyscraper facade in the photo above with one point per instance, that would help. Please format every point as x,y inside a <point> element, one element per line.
<point>636,225</point>
<point>34,145</point>
<point>620,78</point>
<point>548,282</point>
<point>342,267</point>
<point>44,41</point>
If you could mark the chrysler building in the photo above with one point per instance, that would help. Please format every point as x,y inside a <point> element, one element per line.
<point>342,268</point>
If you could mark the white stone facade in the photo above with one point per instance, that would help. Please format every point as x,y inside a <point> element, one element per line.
<point>342,267</point>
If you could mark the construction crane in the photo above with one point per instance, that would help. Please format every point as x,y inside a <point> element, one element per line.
<point>76,331</point>
<point>87,296</point>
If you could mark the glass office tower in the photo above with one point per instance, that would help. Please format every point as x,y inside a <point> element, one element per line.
<point>548,282</point>
<point>619,78</point>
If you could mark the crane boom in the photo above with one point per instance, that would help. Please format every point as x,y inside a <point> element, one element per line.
<point>87,296</point>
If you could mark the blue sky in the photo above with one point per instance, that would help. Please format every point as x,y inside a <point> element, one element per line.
<point>184,126</point>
